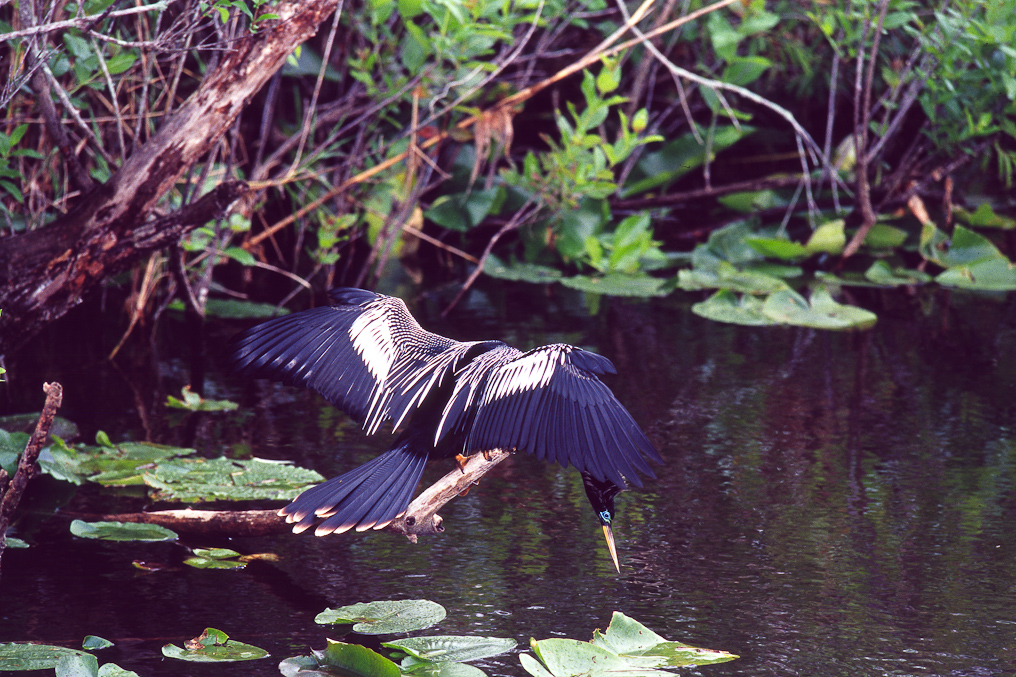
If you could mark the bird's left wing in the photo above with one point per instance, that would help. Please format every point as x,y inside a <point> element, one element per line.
<point>548,402</point>
<point>366,354</point>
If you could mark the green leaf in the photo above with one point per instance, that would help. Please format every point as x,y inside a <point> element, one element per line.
<point>440,648</point>
<point>778,248</point>
<point>240,255</point>
<point>678,157</point>
<point>354,660</point>
<point>829,238</point>
<point>214,646</point>
<point>618,284</point>
<point>991,274</point>
<point>91,643</point>
<point>726,276</point>
<point>411,666</point>
<point>121,531</point>
<point>16,543</point>
<point>224,479</point>
<point>18,656</point>
<point>882,236</point>
<point>967,246</point>
<point>520,271</point>
<point>726,306</point>
<point>626,636</point>
<point>193,402</point>
<point>567,657</point>
<point>382,618</point>
<point>984,217</point>
<point>242,310</point>
<point>880,273</point>
<point>121,62</point>
<point>822,312</point>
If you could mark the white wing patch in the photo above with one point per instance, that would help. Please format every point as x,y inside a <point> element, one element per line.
<point>373,341</point>
<point>527,373</point>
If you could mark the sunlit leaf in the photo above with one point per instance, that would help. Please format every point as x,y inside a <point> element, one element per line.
<point>17,656</point>
<point>829,238</point>
<point>214,646</point>
<point>617,284</point>
<point>15,542</point>
<point>984,217</point>
<point>992,274</point>
<point>884,236</point>
<point>779,248</point>
<point>354,660</point>
<point>726,276</point>
<point>726,306</point>
<point>418,668</point>
<point>191,401</point>
<point>520,272</point>
<point>627,636</point>
<point>439,648</point>
<point>91,643</point>
<point>880,273</point>
<point>381,618</point>
<point>121,531</point>
<point>211,479</point>
<point>822,312</point>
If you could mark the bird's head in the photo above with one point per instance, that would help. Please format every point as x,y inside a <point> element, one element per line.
<point>601,495</point>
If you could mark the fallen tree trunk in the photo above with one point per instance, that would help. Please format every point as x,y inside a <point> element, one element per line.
<point>45,272</point>
<point>421,517</point>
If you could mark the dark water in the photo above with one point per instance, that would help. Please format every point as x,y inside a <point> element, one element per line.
<point>831,504</point>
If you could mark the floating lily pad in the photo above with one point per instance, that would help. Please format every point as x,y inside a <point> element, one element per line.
<point>626,649</point>
<point>91,643</point>
<point>881,274</point>
<point>822,312</point>
<point>884,236</point>
<point>726,306</point>
<point>22,656</point>
<point>382,618</point>
<point>617,284</point>
<point>105,464</point>
<point>214,646</point>
<point>202,479</point>
<point>992,274</point>
<point>779,248</point>
<point>15,542</point>
<point>441,648</point>
<point>726,276</point>
<point>349,660</point>
<point>191,401</point>
<point>418,668</point>
<point>984,217</point>
<point>520,271</point>
<point>121,531</point>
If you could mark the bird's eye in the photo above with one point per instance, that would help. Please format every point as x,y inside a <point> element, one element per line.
<point>605,516</point>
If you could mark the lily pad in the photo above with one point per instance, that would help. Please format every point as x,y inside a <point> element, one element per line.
<point>822,312</point>
<point>382,618</point>
<point>992,274</point>
<point>726,276</point>
<point>15,542</point>
<point>880,273</point>
<point>22,656</point>
<point>726,306</point>
<point>191,401</point>
<point>121,531</point>
<point>617,284</point>
<point>520,271</point>
<point>91,643</point>
<point>214,646</point>
<point>984,217</point>
<point>626,649</point>
<point>418,668</point>
<point>202,479</point>
<point>349,660</point>
<point>442,648</point>
<point>779,248</point>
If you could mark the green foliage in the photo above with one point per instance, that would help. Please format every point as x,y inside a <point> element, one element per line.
<point>381,618</point>
<point>214,646</point>
<point>626,649</point>
<point>193,402</point>
<point>121,531</point>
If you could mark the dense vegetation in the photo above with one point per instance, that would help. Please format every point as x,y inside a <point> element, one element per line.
<point>773,155</point>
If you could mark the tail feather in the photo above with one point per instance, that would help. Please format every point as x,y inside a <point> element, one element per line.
<point>370,496</point>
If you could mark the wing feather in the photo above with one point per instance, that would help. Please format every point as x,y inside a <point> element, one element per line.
<point>366,354</point>
<point>548,402</point>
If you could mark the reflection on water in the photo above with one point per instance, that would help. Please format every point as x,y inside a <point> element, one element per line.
<point>831,504</point>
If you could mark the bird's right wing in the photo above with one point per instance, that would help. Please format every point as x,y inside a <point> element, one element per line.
<point>548,402</point>
<point>366,354</point>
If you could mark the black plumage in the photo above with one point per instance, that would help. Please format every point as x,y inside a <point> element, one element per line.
<point>369,357</point>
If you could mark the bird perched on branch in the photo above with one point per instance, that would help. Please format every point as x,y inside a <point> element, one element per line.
<point>369,357</point>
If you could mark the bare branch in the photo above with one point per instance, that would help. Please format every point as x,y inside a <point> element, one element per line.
<point>84,23</point>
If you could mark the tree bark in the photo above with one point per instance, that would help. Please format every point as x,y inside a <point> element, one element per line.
<point>45,272</point>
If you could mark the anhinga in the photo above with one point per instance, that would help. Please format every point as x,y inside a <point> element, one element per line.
<point>369,357</point>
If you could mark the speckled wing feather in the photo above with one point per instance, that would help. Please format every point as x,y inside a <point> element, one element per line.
<point>548,402</point>
<point>357,353</point>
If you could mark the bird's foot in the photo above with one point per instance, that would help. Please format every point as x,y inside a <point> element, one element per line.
<point>461,460</point>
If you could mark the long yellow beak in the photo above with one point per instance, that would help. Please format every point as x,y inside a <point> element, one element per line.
<point>609,535</point>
